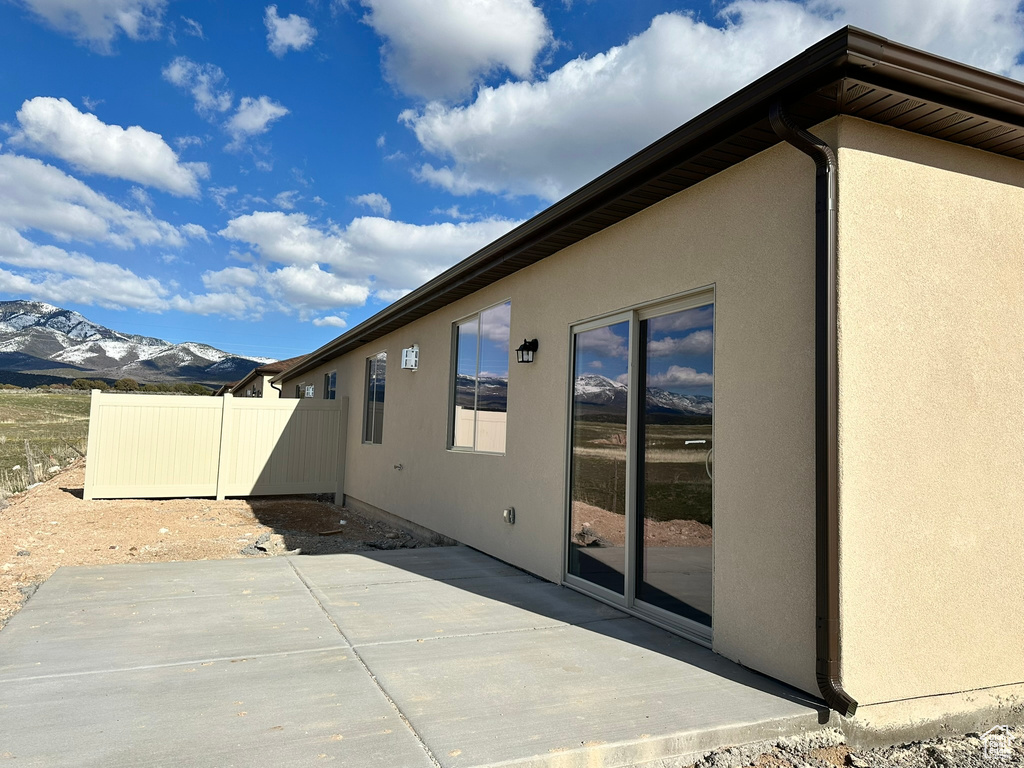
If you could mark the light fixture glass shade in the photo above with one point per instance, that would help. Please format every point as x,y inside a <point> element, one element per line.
<point>524,353</point>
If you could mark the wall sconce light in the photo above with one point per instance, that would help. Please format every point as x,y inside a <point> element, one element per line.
<point>411,358</point>
<point>524,354</point>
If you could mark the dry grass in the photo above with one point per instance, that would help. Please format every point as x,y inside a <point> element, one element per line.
<point>54,425</point>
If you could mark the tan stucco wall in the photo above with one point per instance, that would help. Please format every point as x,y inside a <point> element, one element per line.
<point>749,232</point>
<point>931,285</point>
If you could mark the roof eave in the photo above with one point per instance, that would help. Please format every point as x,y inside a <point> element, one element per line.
<point>849,52</point>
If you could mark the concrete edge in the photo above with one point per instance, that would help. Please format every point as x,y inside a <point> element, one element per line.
<point>682,750</point>
<point>953,714</point>
<point>413,529</point>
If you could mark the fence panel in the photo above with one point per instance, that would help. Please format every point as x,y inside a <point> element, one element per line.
<point>165,446</point>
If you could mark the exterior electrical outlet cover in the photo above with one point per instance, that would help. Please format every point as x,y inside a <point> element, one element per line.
<point>509,513</point>
<point>411,358</point>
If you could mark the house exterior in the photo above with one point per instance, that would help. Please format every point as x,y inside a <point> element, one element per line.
<point>776,404</point>
<point>256,383</point>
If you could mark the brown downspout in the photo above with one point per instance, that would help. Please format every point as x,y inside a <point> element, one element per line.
<point>826,409</point>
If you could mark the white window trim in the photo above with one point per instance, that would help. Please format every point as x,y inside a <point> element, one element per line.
<point>366,394</point>
<point>453,378</point>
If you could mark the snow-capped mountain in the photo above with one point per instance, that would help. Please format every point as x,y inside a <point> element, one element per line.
<point>44,339</point>
<point>598,391</point>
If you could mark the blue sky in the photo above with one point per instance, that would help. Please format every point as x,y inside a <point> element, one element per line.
<point>261,176</point>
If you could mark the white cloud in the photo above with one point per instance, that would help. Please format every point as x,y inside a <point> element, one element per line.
<point>309,287</point>
<point>56,127</point>
<point>61,276</point>
<point>49,273</point>
<point>326,267</point>
<point>287,199</point>
<point>548,137</point>
<point>239,304</point>
<point>141,196</point>
<point>403,256</point>
<point>193,27</point>
<point>37,196</point>
<point>292,31</point>
<point>329,321</point>
<point>603,342</point>
<point>440,48</point>
<point>680,376</point>
<point>230,278</point>
<point>99,22</point>
<point>196,232</point>
<point>206,83</point>
<point>252,118</point>
<point>220,195</point>
<point>375,201</point>
<point>696,343</point>
<point>286,238</point>
<point>184,142</point>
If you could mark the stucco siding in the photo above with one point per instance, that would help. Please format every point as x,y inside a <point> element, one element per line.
<point>749,232</point>
<point>931,310</point>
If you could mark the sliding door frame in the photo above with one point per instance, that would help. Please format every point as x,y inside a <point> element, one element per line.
<point>627,602</point>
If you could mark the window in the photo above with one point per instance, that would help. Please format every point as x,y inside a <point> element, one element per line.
<point>330,385</point>
<point>373,423</point>
<point>298,391</point>
<point>480,388</point>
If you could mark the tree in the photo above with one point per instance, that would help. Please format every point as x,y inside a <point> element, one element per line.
<point>127,385</point>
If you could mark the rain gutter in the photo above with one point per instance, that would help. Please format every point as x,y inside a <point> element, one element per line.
<point>826,409</point>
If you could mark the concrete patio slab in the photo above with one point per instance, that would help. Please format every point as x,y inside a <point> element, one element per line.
<point>614,692</point>
<point>402,565</point>
<point>283,710</point>
<point>80,623</point>
<point>402,611</point>
<point>291,661</point>
<point>202,578</point>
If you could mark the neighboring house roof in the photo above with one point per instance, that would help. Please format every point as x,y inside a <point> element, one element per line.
<point>224,388</point>
<point>851,72</point>
<point>268,369</point>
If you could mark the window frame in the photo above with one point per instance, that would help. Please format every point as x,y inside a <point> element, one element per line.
<point>330,385</point>
<point>454,378</point>
<point>372,360</point>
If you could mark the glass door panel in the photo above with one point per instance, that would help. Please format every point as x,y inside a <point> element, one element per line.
<point>598,469</point>
<point>674,463</point>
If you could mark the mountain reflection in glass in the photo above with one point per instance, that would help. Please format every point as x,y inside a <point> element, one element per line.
<point>674,465</point>
<point>481,380</point>
<point>597,533</point>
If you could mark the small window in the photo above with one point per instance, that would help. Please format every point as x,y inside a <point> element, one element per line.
<point>373,423</point>
<point>298,391</point>
<point>330,385</point>
<point>480,389</point>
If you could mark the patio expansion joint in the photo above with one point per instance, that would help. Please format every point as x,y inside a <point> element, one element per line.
<point>355,653</point>
<point>189,663</point>
<point>509,631</point>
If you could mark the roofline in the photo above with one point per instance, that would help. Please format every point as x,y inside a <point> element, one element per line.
<point>848,51</point>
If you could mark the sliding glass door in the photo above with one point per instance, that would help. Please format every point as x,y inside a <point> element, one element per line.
<point>641,461</point>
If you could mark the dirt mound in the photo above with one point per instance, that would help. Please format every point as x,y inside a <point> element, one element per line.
<point>593,526</point>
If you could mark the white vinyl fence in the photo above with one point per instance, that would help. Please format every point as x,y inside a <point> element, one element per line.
<point>166,446</point>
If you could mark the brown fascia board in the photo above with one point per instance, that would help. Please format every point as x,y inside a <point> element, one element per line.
<point>848,53</point>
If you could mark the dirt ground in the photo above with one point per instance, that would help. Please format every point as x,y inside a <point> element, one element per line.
<point>593,526</point>
<point>50,525</point>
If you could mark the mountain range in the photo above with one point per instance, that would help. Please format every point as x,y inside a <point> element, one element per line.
<point>595,395</point>
<point>602,394</point>
<point>44,340</point>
